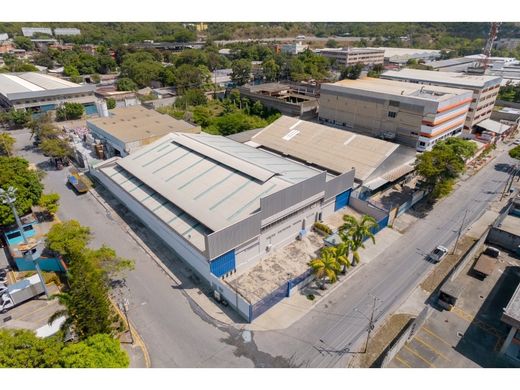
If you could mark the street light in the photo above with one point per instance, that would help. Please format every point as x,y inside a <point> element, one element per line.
<point>9,197</point>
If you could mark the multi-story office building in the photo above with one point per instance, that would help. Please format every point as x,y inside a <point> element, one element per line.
<point>414,115</point>
<point>484,89</point>
<point>354,55</point>
<point>294,48</point>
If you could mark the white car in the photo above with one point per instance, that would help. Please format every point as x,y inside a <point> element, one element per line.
<point>516,142</point>
<point>438,254</point>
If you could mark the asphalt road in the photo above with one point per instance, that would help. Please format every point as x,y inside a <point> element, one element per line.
<point>322,337</point>
<point>179,335</point>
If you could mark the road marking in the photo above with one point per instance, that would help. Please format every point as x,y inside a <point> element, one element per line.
<point>431,348</point>
<point>436,336</point>
<point>402,361</point>
<point>419,356</point>
<point>481,324</point>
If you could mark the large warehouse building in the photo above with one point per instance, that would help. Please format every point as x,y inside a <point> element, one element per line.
<point>221,205</point>
<point>484,88</point>
<point>415,115</point>
<point>40,92</point>
<point>376,162</point>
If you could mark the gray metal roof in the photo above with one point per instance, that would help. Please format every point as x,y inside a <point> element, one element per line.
<point>4,37</point>
<point>30,31</point>
<point>67,31</point>
<point>494,126</point>
<point>198,183</point>
<point>34,84</point>
<point>330,148</point>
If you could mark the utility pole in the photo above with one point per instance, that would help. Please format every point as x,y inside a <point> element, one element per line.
<point>370,323</point>
<point>8,197</point>
<point>123,305</point>
<point>510,178</point>
<point>459,232</point>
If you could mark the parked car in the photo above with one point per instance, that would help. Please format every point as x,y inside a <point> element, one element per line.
<point>438,254</point>
<point>516,142</point>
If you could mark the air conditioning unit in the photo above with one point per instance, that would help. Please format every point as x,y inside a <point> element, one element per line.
<point>217,296</point>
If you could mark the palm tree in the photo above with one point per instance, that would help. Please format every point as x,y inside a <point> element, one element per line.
<point>67,325</point>
<point>343,252</point>
<point>354,233</point>
<point>326,266</point>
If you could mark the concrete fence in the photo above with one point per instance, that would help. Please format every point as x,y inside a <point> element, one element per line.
<point>407,335</point>
<point>468,257</point>
<point>505,103</point>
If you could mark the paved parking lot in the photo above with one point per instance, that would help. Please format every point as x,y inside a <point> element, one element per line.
<point>472,333</point>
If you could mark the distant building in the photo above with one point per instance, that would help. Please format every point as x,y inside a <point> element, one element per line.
<point>414,115</point>
<point>122,98</point>
<point>40,92</point>
<point>507,43</point>
<point>220,205</point>
<point>290,99</point>
<point>3,37</point>
<point>294,48</point>
<point>460,64</point>
<point>30,31</point>
<point>66,31</point>
<point>354,55</point>
<point>6,47</point>
<point>200,27</point>
<point>398,55</point>
<point>128,129</point>
<point>484,88</point>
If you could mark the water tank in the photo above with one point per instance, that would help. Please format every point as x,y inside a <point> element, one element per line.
<point>102,108</point>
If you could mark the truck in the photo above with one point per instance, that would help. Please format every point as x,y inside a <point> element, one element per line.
<point>20,292</point>
<point>74,179</point>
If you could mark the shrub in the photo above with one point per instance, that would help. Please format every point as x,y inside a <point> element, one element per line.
<point>324,228</point>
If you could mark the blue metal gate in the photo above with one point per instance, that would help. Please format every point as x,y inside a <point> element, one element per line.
<point>342,200</point>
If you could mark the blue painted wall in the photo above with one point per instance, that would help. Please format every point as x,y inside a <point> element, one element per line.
<point>342,200</point>
<point>14,237</point>
<point>223,264</point>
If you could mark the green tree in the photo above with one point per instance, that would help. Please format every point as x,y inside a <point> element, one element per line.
<point>326,266</point>
<point>70,70</point>
<point>23,43</point>
<point>354,232</point>
<point>351,72</point>
<point>68,238</point>
<point>19,118</point>
<point>192,97</point>
<point>271,69</point>
<point>70,111</point>
<point>515,153</point>
<point>87,307</point>
<point>126,84</point>
<point>20,348</point>
<point>56,147</point>
<point>111,103</point>
<point>50,202</point>
<point>15,172</point>
<point>97,351</point>
<point>241,71</point>
<point>440,166</point>
<point>6,144</point>
<point>332,43</point>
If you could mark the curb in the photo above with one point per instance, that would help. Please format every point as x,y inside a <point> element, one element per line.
<point>137,337</point>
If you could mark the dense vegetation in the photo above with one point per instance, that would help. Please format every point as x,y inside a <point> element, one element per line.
<point>443,164</point>
<point>510,93</point>
<point>22,349</point>
<point>15,172</point>
<point>228,116</point>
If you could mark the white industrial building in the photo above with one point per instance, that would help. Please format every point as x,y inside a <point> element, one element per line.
<point>220,205</point>
<point>30,31</point>
<point>40,92</point>
<point>66,31</point>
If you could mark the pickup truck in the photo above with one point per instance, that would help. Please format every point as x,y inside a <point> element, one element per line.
<point>20,292</point>
<point>438,254</point>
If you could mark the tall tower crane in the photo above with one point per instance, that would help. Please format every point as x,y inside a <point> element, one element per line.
<point>493,32</point>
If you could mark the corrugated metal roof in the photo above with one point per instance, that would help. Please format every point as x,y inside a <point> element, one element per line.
<point>494,126</point>
<point>11,83</point>
<point>196,183</point>
<point>333,149</point>
<point>446,78</point>
<point>30,31</point>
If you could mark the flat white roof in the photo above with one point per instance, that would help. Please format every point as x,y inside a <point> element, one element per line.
<point>448,78</point>
<point>397,88</point>
<point>402,51</point>
<point>494,126</point>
